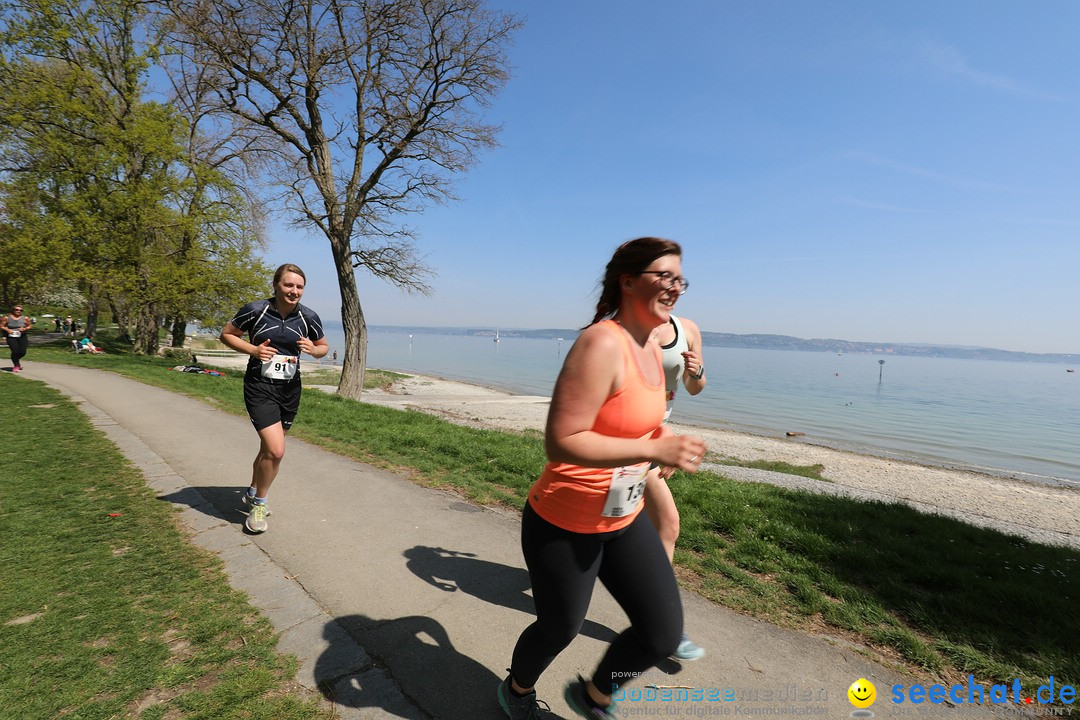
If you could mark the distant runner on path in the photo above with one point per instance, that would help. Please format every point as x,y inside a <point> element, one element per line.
<point>278,330</point>
<point>16,326</point>
<point>583,517</point>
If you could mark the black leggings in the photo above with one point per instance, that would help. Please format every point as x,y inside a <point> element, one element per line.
<point>18,348</point>
<point>563,567</point>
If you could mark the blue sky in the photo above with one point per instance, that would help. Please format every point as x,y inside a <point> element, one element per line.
<point>905,172</point>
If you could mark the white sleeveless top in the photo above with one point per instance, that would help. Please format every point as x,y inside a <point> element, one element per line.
<point>673,364</point>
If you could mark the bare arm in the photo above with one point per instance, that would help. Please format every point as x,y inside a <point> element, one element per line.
<point>693,363</point>
<point>315,349</point>
<point>234,338</point>
<point>593,370</point>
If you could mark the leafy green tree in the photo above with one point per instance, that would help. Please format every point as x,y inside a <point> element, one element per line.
<point>221,225</point>
<point>116,170</point>
<point>33,247</point>
<point>363,110</point>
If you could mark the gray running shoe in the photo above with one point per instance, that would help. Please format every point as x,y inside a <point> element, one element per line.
<point>248,501</point>
<point>526,708</point>
<point>577,698</point>
<point>256,519</point>
<point>688,650</point>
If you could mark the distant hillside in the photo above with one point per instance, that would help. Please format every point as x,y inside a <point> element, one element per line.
<point>786,342</point>
<point>545,334</point>
<point>777,342</point>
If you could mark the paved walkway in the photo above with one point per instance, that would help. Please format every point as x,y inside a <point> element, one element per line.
<point>404,602</point>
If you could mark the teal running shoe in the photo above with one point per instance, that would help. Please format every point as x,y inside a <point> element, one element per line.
<point>521,708</point>
<point>688,650</point>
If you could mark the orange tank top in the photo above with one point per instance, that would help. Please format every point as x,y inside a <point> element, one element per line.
<point>575,498</point>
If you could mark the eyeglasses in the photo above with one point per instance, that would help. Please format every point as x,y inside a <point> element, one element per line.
<point>668,280</point>
<point>16,309</point>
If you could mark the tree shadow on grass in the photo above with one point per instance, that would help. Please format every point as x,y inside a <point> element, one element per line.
<point>1009,598</point>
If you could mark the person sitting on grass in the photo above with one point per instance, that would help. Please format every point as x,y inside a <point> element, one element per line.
<point>87,345</point>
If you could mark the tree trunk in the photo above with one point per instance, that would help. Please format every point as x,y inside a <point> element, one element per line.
<point>123,322</point>
<point>91,312</point>
<point>179,332</point>
<point>352,319</point>
<point>146,331</point>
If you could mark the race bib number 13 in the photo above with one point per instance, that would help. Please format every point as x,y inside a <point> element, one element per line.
<point>626,491</point>
<point>281,367</point>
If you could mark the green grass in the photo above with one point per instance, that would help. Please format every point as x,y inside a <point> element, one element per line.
<point>206,343</point>
<point>106,609</point>
<point>807,471</point>
<point>943,597</point>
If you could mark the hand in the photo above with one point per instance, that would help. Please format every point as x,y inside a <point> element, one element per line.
<point>681,451</point>
<point>692,362</point>
<point>305,345</point>
<point>264,352</point>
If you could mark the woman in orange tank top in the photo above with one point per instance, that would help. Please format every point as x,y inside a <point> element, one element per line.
<point>583,520</point>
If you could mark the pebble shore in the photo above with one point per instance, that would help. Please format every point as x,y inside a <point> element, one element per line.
<point>1037,512</point>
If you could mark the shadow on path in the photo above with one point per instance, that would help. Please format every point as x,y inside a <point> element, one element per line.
<point>416,654</point>
<point>219,502</point>
<point>450,570</point>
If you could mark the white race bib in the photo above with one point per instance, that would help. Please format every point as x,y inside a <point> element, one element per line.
<point>281,367</point>
<point>626,491</point>
<point>14,333</point>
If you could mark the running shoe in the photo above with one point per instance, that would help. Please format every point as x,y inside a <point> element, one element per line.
<point>688,650</point>
<point>256,519</point>
<point>248,501</point>
<point>16,369</point>
<point>521,708</point>
<point>577,698</point>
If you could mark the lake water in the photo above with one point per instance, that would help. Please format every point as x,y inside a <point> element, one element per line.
<point>1018,419</point>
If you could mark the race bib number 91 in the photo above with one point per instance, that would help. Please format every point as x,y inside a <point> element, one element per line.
<point>281,367</point>
<point>626,491</point>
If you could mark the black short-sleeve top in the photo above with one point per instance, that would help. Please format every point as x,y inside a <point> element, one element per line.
<point>261,321</point>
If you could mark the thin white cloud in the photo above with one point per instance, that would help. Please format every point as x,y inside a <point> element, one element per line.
<point>778,259</point>
<point>933,176</point>
<point>950,61</point>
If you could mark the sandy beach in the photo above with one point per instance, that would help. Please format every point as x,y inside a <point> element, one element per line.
<point>1037,512</point>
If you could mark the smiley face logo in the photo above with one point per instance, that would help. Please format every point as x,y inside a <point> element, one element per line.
<point>862,693</point>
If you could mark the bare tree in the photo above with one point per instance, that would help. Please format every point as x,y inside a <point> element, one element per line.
<point>368,107</point>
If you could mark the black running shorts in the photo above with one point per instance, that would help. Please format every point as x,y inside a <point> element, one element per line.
<point>270,403</point>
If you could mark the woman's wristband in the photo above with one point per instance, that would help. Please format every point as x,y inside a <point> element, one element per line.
<point>700,373</point>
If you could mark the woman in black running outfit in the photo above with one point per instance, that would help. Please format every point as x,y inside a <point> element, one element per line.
<point>278,330</point>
